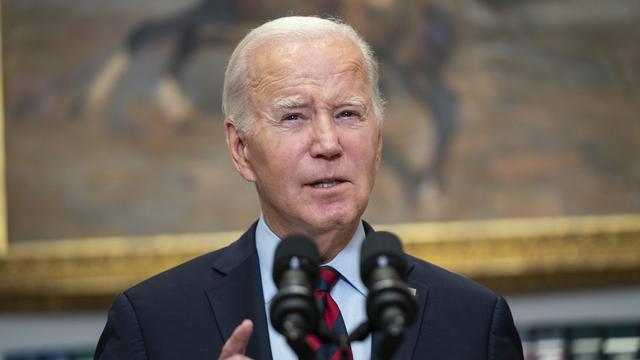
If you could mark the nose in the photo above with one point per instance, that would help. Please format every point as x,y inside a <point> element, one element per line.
<point>326,139</point>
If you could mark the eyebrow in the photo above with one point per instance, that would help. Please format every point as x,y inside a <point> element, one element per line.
<point>295,102</point>
<point>354,101</point>
<point>289,102</point>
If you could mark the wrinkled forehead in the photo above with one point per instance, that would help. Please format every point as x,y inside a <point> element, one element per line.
<point>290,57</point>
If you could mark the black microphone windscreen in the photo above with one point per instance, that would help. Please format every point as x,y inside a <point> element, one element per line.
<point>301,247</point>
<point>382,243</point>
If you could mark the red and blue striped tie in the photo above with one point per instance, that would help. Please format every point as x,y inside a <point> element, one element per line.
<point>331,316</point>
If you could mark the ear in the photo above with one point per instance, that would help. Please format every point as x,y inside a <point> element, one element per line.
<point>236,142</point>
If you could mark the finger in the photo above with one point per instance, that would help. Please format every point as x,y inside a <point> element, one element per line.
<point>237,343</point>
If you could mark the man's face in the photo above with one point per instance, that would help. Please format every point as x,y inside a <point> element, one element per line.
<point>314,145</point>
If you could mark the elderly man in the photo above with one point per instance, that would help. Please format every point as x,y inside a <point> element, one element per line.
<point>303,118</point>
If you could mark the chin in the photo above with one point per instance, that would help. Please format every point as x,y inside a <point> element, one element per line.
<point>334,220</point>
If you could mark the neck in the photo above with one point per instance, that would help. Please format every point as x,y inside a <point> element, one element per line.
<point>329,242</point>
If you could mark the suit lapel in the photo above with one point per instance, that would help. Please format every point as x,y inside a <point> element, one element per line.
<point>237,294</point>
<point>422,291</point>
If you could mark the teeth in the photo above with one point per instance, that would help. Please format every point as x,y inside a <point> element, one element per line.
<point>326,184</point>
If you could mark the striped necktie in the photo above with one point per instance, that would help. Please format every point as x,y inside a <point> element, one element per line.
<point>331,316</point>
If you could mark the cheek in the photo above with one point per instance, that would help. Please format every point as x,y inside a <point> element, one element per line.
<point>366,149</point>
<point>278,156</point>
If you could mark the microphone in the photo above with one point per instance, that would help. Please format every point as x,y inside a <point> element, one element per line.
<point>294,312</point>
<point>390,306</point>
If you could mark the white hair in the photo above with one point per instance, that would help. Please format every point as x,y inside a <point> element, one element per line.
<point>235,96</point>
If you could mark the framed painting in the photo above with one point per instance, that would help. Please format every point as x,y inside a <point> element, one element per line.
<point>510,139</point>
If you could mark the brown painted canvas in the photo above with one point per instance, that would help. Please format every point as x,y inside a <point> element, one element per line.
<point>495,109</point>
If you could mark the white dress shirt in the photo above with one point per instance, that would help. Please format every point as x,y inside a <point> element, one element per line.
<point>349,292</point>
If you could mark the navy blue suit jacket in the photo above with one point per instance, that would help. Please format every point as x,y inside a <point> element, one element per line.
<point>188,312</point>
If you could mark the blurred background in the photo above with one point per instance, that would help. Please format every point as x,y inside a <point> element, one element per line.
<point>496,109</point>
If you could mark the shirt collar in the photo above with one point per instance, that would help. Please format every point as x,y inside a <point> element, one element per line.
<point>347,262</point>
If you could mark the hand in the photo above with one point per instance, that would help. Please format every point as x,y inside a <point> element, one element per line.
<point>236,346</point>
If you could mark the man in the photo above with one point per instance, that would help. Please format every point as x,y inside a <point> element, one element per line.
<point>303,118</point>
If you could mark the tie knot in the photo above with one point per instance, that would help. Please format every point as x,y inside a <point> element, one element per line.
<point>328,277</point>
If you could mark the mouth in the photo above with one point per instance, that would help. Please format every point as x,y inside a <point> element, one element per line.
<point>326,183</point>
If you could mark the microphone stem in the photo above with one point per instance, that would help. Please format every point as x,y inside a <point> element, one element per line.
<point>301,348</point>
<point>391,338</point>
<point>297,341</point>
<point>388,345</point>
<point>361,332</point>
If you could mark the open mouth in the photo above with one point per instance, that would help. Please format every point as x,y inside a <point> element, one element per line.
<point>327,183</point>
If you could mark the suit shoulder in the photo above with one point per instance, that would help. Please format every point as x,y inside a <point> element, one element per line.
<point>198,272</point>
<point>447,282</point>
<point>183,275</point>
<point>462,312</point>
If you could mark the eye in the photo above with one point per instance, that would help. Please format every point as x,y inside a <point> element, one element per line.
<point>292,117</point>
<point>348,114</point>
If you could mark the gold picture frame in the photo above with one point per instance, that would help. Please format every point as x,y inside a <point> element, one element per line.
<point>3,201</point>
<point>508,255</point>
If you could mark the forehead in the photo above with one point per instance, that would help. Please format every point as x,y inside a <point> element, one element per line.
<point>290,61</point>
